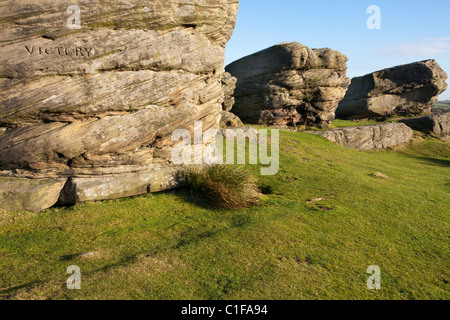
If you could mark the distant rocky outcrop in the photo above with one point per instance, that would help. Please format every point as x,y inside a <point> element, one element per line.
<point>438,125</point>
<point>289,84</point>
<point>373,137</point>
<point>404,90</point>
<point>92,107</point>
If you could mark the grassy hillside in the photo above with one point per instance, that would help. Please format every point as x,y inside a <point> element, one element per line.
<point>442,105</point>
<point>323,221</point>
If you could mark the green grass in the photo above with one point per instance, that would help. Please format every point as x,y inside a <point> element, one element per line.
<point>164,246</point>
<point>223,186</point>
<point>337,123</point>
<point>442,105</point>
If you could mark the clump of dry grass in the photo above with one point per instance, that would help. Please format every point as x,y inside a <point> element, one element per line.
<point>223,186</point>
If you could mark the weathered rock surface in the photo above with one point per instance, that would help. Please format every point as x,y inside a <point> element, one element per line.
<point>229,85</point>
<point>438,125</point>
<point>229,119</point>
<point>379,175</point>
<point>374,137</point>
<point>97,106</point>
<point>29,194</point>
<point>289,84</point>
<point>403,90</point>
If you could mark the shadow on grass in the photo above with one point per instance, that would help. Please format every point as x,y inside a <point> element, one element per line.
<point>186,195</point>
<point>185,237</point>
<point>8,293</point>
<point>69,257</point>
<point>182,192</point>
<point>434,161</point>
<point>195,236</point>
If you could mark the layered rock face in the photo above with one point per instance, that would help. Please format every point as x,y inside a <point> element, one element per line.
<point>95,107</point>
<point>374,137</point>
<point>289,84</point>
<point>403,90</point>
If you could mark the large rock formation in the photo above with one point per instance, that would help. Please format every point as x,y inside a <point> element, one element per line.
<point>403,90</point>
<point>374,137</point>
<point>438,125</point>
<point>289,84</point>
<point>95,107</point>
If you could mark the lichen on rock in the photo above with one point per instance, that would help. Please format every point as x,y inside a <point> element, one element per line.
<point>405,90</point>
<point>372,137</point>
<point>96,106</point>
<point>289,84</point>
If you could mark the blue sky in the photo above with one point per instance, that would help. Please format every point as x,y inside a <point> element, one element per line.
<point>411,30</point>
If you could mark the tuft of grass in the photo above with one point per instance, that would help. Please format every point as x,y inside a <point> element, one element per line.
<point>323,220</point>
<point>223,186</point>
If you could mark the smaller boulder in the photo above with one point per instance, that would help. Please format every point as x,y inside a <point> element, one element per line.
<point>374,137</point>
<point>438,125</point>
<point>379,175</point>
<point>87,255</point>
<point>404,90</point>
<point>21,194</point>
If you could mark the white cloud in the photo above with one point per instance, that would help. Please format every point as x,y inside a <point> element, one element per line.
<point>421,47</point>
